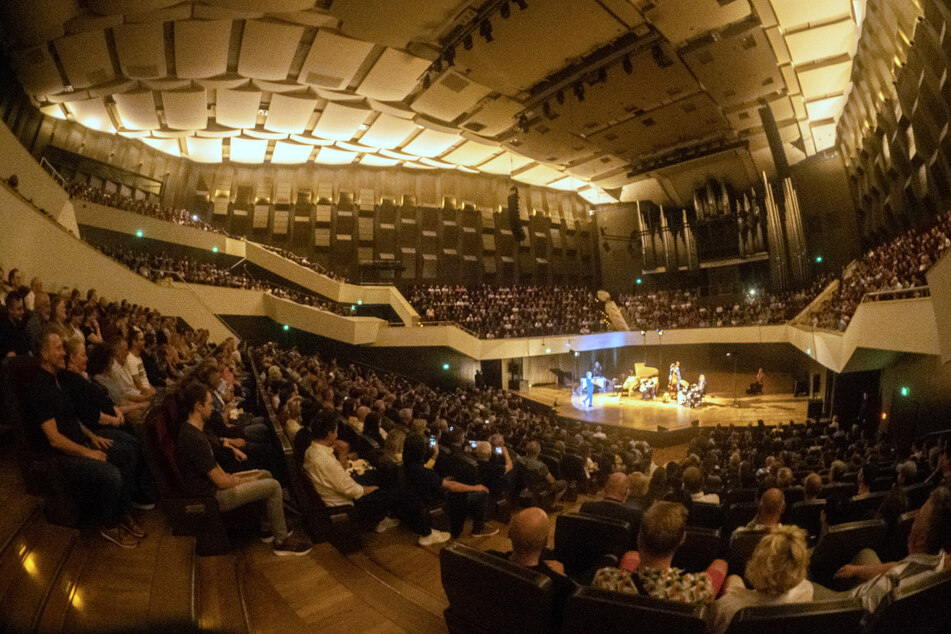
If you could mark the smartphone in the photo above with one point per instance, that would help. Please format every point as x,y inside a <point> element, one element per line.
<point>498,450</point>
<point>432,442</point>
<point>472,444</point>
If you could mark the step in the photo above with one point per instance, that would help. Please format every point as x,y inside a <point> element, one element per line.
<point>29,569</point>
<point>221,606</point>
<point>173,598</point>
<point>66,593</point>
<point>16,511</point>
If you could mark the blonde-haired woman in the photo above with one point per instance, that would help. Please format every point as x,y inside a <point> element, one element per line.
<point>776,572</point>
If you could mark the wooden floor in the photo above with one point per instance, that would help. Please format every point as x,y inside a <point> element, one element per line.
<point>633,413</point>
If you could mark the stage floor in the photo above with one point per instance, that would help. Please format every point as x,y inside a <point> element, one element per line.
<point>633,413</point>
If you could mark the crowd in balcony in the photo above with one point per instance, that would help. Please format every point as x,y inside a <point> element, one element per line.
<point>897,265</point>
<point>689,309</point>
<point>161,266</point>
<point>503,312</point>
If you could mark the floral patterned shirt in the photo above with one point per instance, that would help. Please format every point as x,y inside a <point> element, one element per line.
<point>673,584</point>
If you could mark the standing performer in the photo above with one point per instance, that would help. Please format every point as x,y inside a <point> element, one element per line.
<point>673,378</point>
<point>597,369</point>
<point>589,389</point>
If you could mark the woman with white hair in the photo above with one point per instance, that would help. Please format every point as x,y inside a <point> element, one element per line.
<point>776,572</point>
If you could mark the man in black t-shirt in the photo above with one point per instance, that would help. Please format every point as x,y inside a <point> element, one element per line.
<point>203,477</point>
<point>92,465</point>
<point>12,334</point>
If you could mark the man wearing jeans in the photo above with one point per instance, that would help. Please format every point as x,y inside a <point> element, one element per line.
<point>204,477</point>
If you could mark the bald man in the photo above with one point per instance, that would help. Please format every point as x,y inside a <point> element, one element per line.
<point>770,511</point>
<point>613,504</point>
<point>528,531</point>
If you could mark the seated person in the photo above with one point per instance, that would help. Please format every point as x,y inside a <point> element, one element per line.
<point>116,378</point>
<point>929,541</point>
<point>613,504</point>
<point>426,488</point>
<point>96,467</point>
<point>203,477</point>
<point>777,573</point>
<point>529,531</point>
<point>333,484</point>
<point>492,473</point>
<point>812,487</point>
<point>770,511</point>
<point>693,483</point>
<point>536,476</point>
<point>135,343</point>
<point>647,571</point>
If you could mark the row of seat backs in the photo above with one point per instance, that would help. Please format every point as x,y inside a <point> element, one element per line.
<point>480,588</point>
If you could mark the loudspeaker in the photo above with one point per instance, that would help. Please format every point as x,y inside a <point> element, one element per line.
<point>513,385</point>
<point>515,222</point>
<point>816,383</point>
<point>801,388</point>
<point>814,410</point>
<point>514,368</point>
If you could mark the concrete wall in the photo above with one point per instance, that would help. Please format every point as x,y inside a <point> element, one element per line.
<point>939,280</point>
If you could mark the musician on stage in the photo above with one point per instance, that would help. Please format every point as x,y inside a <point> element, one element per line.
<point>702,385</point>
<point>673,378</point>
<point>631,384</point>
<point>589,389</point>
<point>597,369</point>
<point>649,389</point>
<point>756,387</point>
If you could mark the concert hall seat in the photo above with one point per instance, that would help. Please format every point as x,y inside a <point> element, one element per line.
<point>918,606</point>
<point>917,494</point>
<point>742,546</point>
<point>572,469</point>
<point>701,546</point>
<point>843,616</point>
<point>593,610</point>
<point>737,515</point>
<point>705,515</point>
<point>482,591</point>
<point>896,537</point>
<point>337,525</point>
<point>793,494</point>
<point>806,515</point>
<point>738,496</point>
<point>582,541</point>
<point>864,507</point>
<point>840,545</point>
<point>838,490</point>
<point>553,463</point>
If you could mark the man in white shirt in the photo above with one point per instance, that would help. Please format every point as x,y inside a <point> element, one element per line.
<point>133,362</point>
<point>331,481</point>
<point>693,483</point>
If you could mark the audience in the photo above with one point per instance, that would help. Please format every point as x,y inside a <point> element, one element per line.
<point>503,312</point>
<point>85,191</point>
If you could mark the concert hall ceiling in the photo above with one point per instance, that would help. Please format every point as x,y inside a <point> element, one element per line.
<point>584,95</point>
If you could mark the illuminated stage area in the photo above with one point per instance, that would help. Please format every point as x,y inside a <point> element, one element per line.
<point>633,413</point>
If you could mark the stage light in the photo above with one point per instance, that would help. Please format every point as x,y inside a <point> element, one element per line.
<point>286,327</point>
<point>602,76</point>
<point>560,97</point>
<point>577,354</point>
<point>485,30</point>
<point>522,5</point>
<point>523,123</point>
<point>638,281</point>
<point>214,249</point>
<point>467,42</point>
<point>437,65</point>
<point>819,259</point>
<point>352,308</point>
<point>546,110</point>
<point>579,91</point>
<point>752,292</point>
<point>359,302</point>
<point>426,81</point>
<point>450,56</point>
<point>884,415</point>
<point>445,366</point>
<point>547,350</point>
<point>643,333</point>
<point>195,217</point>
<point>660,332</point>
<point>627,65</point>
<point>139,234</point>
<point>505,10</point>
<point>904,391</point>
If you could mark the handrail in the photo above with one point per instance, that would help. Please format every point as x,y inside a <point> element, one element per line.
<point>915,292</point>
<point>46,165</point>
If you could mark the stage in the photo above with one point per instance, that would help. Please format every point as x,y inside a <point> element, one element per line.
<point>633,413</point>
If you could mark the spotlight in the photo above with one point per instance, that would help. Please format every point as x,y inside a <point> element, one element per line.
<point>485,30</point>
<point>579,91</point>
<point>602,76</point>
<point>522,5</point>
<point>546,110</point>
<point>467,42</point>
<point>607,247</point>
<point>426,81</point>
<point>195,218</point>
<point>627,65</point>
<point>560,97</point>
<point>660,332</point>
<point>660,57</point>
<point>437,65</point>
<point>450,56</point>
<point>523,123</point>
<point>505,11</point>
<point>643,333</point>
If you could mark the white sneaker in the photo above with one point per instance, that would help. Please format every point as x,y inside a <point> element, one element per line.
<point>386,524</point>
<point>434,537</point>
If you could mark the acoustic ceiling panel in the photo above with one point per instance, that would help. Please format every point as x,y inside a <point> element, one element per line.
<point>504,163</point>
<point>137,110</point>
<point>387,131</point>
<point>331,156</point>
<point>333,60</point>
<point>393,76</point>
<point>37,70</point>
<point>237,108</point>
<point>186,110</point>
<point>494,117</point>
<point>244,150</point>
<point>821,42</point>
<point>204,150</point>
<point>472,153</point>
<point>449,96</point>
<point>141,49</point>
<point>340,122</point>
<point>201,48</point>
<point>267,49</point>
<point>169,146</point>
<point>430,143</point>
<point>289,114</point>
<point>289,152</point>
<point>796,13</point>
<point>682,20</point>
<point>92,113</point>
<point>85,59</point>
